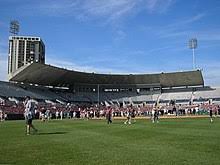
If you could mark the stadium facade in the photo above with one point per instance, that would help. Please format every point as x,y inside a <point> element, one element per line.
<point>53,83</point>
<point>29,75</point>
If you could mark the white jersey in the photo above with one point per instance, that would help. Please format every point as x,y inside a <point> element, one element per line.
<point>153,112</point>
<point>128,114</point>
<point>29,109</point>
<point>1,115</point>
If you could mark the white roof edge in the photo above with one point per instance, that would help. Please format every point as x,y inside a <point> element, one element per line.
<point>10,37</point>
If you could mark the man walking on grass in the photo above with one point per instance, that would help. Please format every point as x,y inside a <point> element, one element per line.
<point>109,115</point>
<point>29,114</point>
<point>211,115</point>
<point>128,121</point>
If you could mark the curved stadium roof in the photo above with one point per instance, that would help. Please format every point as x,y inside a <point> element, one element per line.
<point>48,75</point>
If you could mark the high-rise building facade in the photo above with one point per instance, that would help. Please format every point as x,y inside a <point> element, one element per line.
<point>24,50</point>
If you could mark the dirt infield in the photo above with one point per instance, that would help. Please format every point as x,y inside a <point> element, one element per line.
<point>168,117</point>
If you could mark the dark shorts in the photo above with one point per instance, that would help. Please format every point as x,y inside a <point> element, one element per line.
<point>28,121</point>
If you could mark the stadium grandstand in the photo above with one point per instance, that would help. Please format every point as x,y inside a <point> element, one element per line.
<point>41,81</point>
<point>59,89</point>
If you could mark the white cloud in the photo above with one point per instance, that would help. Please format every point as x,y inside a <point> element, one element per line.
<point>151,4</point>
<point>209,35</point>
<point>112,8</point>
<point>107,10</point>
<point>67,65</point>
<point>55,8</point>
<point>179,28</point>
<point>82,68</point>
<point>3,60</point>
<point>120,67</point>
<point>120,35</point>
<point>211,72</point>
<point>200,34</point>
<point>187,21</point>
<point>3,66</point>
<point>159,6</point>
<point>212,78</point>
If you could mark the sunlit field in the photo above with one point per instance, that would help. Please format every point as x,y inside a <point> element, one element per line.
<point>171,141</point>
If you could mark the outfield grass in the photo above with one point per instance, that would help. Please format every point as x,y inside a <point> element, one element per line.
<point>172,141</point>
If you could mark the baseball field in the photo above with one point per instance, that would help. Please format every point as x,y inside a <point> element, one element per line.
<point>171,141</point>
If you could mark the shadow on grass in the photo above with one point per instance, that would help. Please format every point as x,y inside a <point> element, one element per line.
<point>51,133</point>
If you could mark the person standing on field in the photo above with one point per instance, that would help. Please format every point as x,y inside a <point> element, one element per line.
<point>29,114</point>
<point>109,116</point>
<point>128,121</point>
<point>211,114</point>
<point>1,115</point>
<point>133,114</point>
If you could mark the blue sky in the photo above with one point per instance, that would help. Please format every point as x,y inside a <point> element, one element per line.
<point>119,36</point>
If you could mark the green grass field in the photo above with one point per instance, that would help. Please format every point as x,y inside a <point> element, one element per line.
<point>172,141</point>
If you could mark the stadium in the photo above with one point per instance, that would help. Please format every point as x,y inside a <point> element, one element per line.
<point>53,115</point>
<point>57,89</point>
<point>65,94</point>
<point>72,108</point>
<point>57,86</point>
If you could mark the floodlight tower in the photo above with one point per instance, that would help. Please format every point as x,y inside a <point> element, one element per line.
<point>14,27</point>
<point>193,46</point>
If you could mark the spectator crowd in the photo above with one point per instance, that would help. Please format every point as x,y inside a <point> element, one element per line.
<point>48,111</point>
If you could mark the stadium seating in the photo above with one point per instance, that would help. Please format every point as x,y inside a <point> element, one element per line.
<point>19,91</point>
<point>211,94</point>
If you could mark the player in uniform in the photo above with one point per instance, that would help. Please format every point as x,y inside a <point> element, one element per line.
<point>128,121</point>
<point>156,116</point>
<point>109,116</point>
<point>211,114</point>
<point>29,115</point>
<point>133,114</point>
<point>1,115</point>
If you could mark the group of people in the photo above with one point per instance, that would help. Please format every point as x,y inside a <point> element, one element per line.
<point>93,111</point>
<point>130,114</point>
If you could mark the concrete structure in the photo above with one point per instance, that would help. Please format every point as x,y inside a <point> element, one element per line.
<point>47,75</point>
<point>24,50</point>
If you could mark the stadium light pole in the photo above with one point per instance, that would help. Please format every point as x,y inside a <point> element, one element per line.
<point>14,27</point>
<point>193,46</point>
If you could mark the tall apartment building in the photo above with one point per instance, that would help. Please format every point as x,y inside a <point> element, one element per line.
<point>24,50</point>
